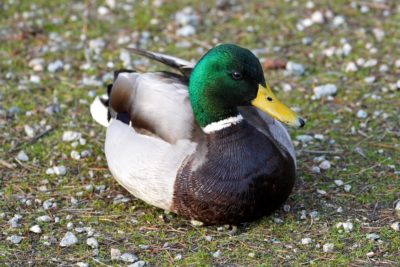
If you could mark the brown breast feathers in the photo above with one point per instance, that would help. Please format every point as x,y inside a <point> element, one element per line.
<point>243,177</point>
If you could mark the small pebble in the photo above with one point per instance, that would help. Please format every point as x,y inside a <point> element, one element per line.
<point>362,114</point>
<point>69,239</point>
<point>347,226</point>
<point>397,209</point>
<point>347,187</point>
<point>115,254</point>
<point>328,247</point>
<point>370,79</point>
<point>397,63</point>
<point>14,221</point>
<point>55,66</point>
<point>92,242</point>
<point>15,239</point>
<point>178,257</point>
<point>82,264</point>
<point>29,131</point>
<point>325,165</point>
<point>304,138</point>
<point>22,156</point>
<point>57,170</point>
<point>373,236</point>
<point>351,67</point>
<point>36,229</point>
<point>395,226</point>
<point>295,68</point>
<point>338,20</point>
<point>69,136</point>
<point>325,90</point>
<point>321,192</point>
<point>315,169</point>
<point>186,31</point>
<point>306,241</point>
<point>217,254</point>
<point>44,218</point>
<point>339,182</point>
<point>370,254</point>
<point>138,264</point>
<point>129,257</point>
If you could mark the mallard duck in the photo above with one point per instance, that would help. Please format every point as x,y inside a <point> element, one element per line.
<point>207,144</point>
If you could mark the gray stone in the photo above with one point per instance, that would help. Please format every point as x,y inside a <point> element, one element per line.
<point>22,156</point>
<point>15,239</point>
<point>69,239</point>
<point>129,257</point>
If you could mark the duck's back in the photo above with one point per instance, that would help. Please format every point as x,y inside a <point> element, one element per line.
<point>237,174</point>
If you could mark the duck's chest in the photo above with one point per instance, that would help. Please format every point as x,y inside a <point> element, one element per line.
<point>238,175</point>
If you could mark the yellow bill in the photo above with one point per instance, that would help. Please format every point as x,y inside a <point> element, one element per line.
<point>267,102</point>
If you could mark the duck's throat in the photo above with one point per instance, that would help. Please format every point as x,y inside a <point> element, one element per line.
<point>222,124</point>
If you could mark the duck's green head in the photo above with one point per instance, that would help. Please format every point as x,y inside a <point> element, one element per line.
<point>229,76</point>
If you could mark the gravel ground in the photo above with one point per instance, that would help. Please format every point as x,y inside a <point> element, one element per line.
<point>336,62</point>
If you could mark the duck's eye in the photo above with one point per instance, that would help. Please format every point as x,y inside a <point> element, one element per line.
<point>237,75</point>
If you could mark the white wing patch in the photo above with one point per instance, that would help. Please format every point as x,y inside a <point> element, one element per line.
<point>146,166</point>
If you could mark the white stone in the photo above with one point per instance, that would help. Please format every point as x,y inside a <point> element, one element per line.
<point>15,239</point>
<point>339,182</point>
<point>102,10</point>
<point>398,84</point>
<point>115,254</point>
<point>295,68</point>
<point>306,241</point>
<point>347,49</point>
<point>328,247</point>
<point>34,79</point>
<point>129,257</point>
<point>347,187</point>
<point>315,169</point>
<point>186,31</point>
<point>22,156</point>
<point>69,239</point>
<point>29,131</point>
<point>383,68</point>
<point>69,136</point>
<point>370,254</point>
<point>92,242</point>
<point>217,254</point>
<point>37,64</point>
<point>373,236</point>
<point>370,63</point>
<point>321,192</point>
<point>351,67</point>
<point>324,90</point>
<point>55,66</point>
<point>362,114</point>
<point>395,226</point>
<point>347,226</point>
<point>82,264</point>
<point>304,138</point>
<point>44,218</point>
<point>325,165</point>
<point>370,79</point>
<point>138,264</point>
<point>379,34</point>
<point>75,155</point>
<point>338,20</point>
<point>397,209</point>
<point>317,17</point>
<point>36,229</point>
<point>397,63</point>
<point>14,221</point>
<point>57,170</point>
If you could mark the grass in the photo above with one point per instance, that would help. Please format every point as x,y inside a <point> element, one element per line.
<point>29,30</point>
